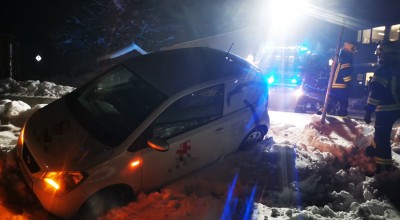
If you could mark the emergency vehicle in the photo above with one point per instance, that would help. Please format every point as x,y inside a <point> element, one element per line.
<point>139,125</point>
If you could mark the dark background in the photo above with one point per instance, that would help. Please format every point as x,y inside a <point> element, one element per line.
<point>71,34</point>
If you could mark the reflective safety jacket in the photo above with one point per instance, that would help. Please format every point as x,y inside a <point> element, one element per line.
<point>343,70</point>
<point>384,90</point>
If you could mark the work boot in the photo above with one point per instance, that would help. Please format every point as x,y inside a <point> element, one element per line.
<point>384,168</point>
<point>370,151</point>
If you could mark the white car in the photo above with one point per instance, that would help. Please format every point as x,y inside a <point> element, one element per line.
<point>139,125</point>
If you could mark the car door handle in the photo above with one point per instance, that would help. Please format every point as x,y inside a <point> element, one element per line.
<point>218,129</point>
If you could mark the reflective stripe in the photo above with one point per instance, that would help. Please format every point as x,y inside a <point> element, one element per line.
<point>339,86</point>
<point>388,107</point>
<point>380,80</point>
<point>347,79</point>
<point>346,65</point>
<point>380,160</point>
<point>373,101</point>
<point>335,77</point>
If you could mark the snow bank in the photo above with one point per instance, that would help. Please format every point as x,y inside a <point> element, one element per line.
<point>33,88</point>
<point>331,175</point>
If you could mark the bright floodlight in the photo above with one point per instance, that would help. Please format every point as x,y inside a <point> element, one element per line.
<point>250,58</point>
<point>38,58</point>
<point>285,11</point>
<point>298,92</point>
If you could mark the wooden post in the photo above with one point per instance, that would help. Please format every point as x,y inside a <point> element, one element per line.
<point>331,75</point>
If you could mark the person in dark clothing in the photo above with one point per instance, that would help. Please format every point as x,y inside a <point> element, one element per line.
<point>340,90</point>
<point>384,100</point>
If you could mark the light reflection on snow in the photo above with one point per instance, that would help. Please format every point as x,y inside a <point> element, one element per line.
<point>328,168</point>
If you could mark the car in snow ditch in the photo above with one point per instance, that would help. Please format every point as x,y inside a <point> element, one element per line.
<point>143,123</point>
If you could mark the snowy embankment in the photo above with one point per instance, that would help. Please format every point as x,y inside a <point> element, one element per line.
<point>302,170</point>
<point>33,88</point>
<point>32,92</point>
<point>331,176</point>
<point>14,112</point>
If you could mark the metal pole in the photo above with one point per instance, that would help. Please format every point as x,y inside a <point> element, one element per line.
<point>328,90</point>
<point>11,61</point>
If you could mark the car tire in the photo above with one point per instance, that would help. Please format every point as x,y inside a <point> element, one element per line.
<point>104,200</point>
<point>253,137</point>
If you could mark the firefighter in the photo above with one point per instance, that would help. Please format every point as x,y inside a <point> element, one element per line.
<point>340,90</point>
<point>384,100</point>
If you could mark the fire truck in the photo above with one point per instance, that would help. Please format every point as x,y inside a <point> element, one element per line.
<point>297,77</point>
<point>285,65</point>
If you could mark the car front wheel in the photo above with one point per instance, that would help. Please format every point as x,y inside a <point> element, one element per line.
<point>103,201</point>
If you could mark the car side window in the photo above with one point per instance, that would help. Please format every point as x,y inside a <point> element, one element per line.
<point>187,113</point>
<point>240,95</point>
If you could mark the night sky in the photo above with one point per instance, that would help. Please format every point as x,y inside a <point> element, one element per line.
<point>33,22</point>
<point>36,19</point>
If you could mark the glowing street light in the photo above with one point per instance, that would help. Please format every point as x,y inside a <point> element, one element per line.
<point>38,58</point>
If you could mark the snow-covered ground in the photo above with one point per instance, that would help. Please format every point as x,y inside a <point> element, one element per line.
<point>302,170</point>
<point>33,88</point>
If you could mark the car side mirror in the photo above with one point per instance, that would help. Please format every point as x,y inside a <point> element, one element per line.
<point>158,144</point>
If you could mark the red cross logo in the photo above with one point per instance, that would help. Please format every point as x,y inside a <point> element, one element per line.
<point>184,149</point>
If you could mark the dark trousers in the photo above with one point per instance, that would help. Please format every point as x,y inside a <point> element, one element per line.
<point>383,128</point>
<point>340,96</point>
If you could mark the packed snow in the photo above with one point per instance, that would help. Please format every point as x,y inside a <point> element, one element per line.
<point>304,169</point>
<point>33,88</point>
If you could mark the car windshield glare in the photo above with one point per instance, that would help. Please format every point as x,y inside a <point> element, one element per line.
<point>113,105</point>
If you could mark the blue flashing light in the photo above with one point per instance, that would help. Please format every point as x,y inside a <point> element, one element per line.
<point>303,48</point>
<point>294,81</point>
<point>271,79</point>
<point>228,209</point>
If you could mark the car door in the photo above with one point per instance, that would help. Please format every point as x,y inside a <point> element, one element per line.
<point>192,128</point>
<point>245,108</point>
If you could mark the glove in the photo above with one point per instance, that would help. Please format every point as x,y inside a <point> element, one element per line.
<point>367,117</point>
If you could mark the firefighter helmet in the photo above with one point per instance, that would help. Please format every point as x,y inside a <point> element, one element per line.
<point>347,49</point>
<point>350,46</point>
<point>388,52</point>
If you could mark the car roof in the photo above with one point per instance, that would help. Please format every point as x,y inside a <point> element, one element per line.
<point>172,71</point>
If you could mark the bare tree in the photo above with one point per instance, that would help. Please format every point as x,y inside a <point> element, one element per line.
<point>99,27</point>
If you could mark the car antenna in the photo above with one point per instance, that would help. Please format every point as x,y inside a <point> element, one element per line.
<point>226,56</point>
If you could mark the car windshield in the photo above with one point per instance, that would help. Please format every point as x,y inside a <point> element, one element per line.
<point>113,105</point>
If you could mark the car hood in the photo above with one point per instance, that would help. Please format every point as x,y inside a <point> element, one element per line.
<point>58,142</point>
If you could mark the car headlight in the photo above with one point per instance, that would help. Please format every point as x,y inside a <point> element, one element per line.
<point>63,181</point>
